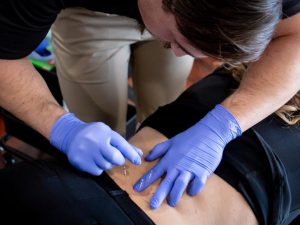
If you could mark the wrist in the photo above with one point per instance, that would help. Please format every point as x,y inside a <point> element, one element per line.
<point>223,123</point>
<point>63,130</point>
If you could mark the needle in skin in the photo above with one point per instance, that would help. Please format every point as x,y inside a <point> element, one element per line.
<point>124,171</point>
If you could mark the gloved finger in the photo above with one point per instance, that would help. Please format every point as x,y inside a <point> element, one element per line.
<point>102,163</point>
<point>139,151</point>
<point>197,185</point>
<point>158,151</point>
<point>149,177</point>
<point>112,155</point>
<point>163,189</point>
<point>92,169</point>
<point>95,171</point>
<point>125,148</point>
<point>179,187</point>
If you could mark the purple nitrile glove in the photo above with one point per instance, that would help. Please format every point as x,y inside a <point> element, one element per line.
<point>191,156</point>
<point>91,147</point>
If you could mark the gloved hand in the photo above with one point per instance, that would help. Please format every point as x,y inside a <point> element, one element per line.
<point>91,147</point>
<point>191,156</point>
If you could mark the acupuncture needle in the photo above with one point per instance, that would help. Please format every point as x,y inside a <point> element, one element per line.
<point>124,171</point>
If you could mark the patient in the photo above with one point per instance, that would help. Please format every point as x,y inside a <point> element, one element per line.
<point>219,203</point>
<point>256,182</point>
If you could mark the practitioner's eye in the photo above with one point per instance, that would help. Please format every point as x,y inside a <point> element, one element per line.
<point>166,45</point>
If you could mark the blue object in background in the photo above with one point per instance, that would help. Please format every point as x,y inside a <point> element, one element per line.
<point>42,52</point>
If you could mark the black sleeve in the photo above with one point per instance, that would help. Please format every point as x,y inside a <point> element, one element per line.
<point>24,24</point>
<point>191,106</point>
<point>290,7</point>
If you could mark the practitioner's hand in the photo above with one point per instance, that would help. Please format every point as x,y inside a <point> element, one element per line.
<point>91,147</point>
<point>191,156</point>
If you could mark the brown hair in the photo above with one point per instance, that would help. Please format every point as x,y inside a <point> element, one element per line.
<point>236,31</point>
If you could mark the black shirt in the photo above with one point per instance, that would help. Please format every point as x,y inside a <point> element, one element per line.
<point>24,23</point>
<point>290,7</point>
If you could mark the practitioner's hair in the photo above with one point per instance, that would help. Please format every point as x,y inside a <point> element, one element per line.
<point>236,31</point>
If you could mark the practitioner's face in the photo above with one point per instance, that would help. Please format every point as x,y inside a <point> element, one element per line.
<point>162,25</point>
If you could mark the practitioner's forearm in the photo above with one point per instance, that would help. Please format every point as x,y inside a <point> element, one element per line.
<point>25,94</point>
<point>269,83</point>
<point>90,147</point>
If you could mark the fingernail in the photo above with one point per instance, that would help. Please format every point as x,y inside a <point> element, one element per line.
<point>172,203</point>
<point>190,193</point>
<point>137,161</point>
<point>148,156</point>
<point>135,187</point>
<point>139,151</point>
<point>153,203</point>
<point>109,167</point>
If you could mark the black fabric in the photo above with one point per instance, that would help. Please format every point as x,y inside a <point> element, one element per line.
<point>122,198</point>
<point>282,145</point>
<point>290,7</point>
<point>51,193</point>
<point>262,164</point>
<point>24,24</point>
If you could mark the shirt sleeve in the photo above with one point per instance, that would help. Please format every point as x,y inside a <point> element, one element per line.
<point>290,8</point>
<point>24,24</point>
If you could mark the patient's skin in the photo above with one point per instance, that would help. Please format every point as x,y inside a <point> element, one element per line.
<point>218,203</point>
